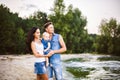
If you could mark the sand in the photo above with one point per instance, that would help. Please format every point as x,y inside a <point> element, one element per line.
<point>21,67</point>
<point>16,67</point>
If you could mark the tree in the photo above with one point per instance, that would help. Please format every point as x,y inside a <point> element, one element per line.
<point>37,19</point>
<point>20,41</point>
<point>110,36</point>
<point>70,25</point>
<point>9,26</point>
<point>7,29</point>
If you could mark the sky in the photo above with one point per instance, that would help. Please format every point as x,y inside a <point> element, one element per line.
<point>93,10</point>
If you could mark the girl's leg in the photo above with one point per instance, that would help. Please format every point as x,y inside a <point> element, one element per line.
<point>38,77</point>
<point>47,61</point>
<point>44,77</point>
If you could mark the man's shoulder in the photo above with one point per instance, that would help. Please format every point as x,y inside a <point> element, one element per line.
<point>56,34</point>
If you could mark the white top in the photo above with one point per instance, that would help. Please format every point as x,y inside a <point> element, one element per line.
<point>39,48</point>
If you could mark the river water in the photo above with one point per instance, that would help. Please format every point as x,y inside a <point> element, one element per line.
<point>90,67</point>
<point>75,67</point>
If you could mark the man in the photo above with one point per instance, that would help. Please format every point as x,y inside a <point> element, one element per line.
<point>57,46</point>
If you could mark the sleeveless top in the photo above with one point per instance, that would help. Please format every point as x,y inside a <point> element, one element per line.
<point>39,49</point>
<point>55,45</point>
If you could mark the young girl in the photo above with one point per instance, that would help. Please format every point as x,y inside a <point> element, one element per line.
<point>46,42</point>
<point>35,45</point>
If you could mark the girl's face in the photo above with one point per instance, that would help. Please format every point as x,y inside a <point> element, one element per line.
<point>37,34</point>
<point>46,36</point>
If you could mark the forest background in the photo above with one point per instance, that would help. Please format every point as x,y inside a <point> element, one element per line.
<point>71,24</point>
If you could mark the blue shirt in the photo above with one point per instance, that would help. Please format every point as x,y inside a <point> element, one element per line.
<point>55,45</point>
<point>45,43</point>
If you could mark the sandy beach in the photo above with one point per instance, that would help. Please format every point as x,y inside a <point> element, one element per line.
<point>20,67</point>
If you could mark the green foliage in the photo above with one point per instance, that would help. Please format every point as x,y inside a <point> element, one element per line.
<point>75,60</point>
<point>59,7</point>
<point>79,72</point>
<point>111,58</point>
<point>13,30</point>
<point>70,25</point>
<point>112,70</point>
<point>109,40</point>
<point>69,22</point>
<point>20,41</point>
<point>37,19</point>
<point>8,26</point>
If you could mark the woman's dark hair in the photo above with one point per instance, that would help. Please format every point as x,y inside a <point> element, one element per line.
<point>30,38</point>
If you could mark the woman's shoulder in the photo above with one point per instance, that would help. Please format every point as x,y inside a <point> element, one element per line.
<point>32,43</point>
<point>36,43</point>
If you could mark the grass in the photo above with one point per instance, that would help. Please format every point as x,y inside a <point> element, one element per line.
<point>112,70</point>
<point>79,72</point>
<point>75,60</point>
<point>112,58</point>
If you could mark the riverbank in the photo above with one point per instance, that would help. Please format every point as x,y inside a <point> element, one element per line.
<point>20,67</point>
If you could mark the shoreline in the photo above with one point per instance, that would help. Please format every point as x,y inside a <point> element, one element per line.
<point>21,67</point>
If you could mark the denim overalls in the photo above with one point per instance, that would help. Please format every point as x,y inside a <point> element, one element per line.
<point>55,59</point>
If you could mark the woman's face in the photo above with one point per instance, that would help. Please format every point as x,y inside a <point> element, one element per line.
<point>37,34</point>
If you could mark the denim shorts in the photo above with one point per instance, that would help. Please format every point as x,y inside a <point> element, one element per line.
<point>40,68</point>
<point>55,69</point>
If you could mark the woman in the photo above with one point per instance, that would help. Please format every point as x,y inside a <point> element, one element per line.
<point>35,45</point>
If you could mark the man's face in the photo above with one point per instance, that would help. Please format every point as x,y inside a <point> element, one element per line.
<point>50,29</point>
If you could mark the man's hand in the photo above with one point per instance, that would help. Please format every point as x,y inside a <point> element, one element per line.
<point>50,53</point>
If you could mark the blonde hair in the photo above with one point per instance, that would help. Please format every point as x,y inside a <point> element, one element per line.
<point>45,33</point>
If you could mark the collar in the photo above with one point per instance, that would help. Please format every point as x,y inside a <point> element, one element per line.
<point>53,34</point>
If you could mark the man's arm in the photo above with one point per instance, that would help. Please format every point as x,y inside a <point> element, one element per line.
<point>62,49</point>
